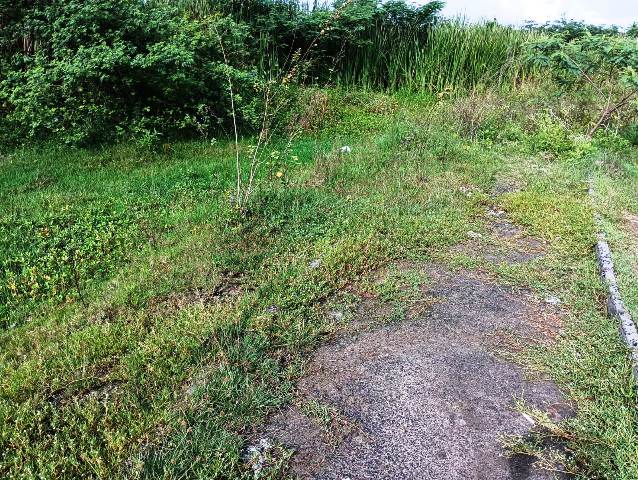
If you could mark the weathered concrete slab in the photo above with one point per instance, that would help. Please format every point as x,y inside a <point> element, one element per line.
<point>429,398</point>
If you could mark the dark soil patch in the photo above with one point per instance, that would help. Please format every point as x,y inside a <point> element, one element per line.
<point>506,242</point>
<point>429,398</point>
<point>632,225</point>
<point>505,185</point>
<point>177,301</point>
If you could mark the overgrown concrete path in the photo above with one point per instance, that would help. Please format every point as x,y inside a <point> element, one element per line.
<point>433,396</point>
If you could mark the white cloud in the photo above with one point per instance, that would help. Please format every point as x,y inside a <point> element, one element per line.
<point>619,12</point>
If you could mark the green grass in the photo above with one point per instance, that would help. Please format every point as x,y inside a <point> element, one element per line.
<point>615,183</point>
<point>589,362</point>
<point>191,323</point>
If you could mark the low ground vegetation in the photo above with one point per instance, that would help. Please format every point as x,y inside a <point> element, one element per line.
<point>169,327</point>
<point>147,324</point>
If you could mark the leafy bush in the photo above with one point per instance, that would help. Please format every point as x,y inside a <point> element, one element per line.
<point>611,142</point>
<point>106,68</point>
<point>572,29</point>
<point>89,72</point>
<point>630,132</point>
<point>551,137</point>
<point>362,42</point>
<point>605,66</point>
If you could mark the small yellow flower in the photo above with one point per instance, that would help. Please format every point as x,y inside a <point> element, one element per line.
<point>279,174</point>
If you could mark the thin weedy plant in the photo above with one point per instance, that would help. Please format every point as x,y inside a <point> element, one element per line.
<point>275,100</point>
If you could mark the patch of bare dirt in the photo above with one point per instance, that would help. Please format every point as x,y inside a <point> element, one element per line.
<point>505,185</point>
<point>504,243</point>
<point>631,221</point>
<point>178,300</point>
<point>429,398</point>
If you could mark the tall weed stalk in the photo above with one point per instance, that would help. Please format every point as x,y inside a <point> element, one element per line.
<point>276,99</point>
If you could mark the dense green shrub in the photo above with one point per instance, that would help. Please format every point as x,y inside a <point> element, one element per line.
<point>89,72</point>
<point>361,41</point>
<point>602,66</point>
<point>630,132</point>
<point>389,45</point>
<point>106,68</point>
<point>551,137</point>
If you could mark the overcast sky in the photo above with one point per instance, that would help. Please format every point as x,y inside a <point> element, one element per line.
<point>618,12</point>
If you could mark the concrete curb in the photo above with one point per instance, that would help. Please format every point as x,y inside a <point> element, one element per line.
<point>615,306</point>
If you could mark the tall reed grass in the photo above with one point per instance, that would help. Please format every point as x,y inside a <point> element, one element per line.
<point>454,54</point>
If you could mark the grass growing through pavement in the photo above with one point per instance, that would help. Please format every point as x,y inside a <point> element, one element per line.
<point>588,361</point>
<point>163,327</point>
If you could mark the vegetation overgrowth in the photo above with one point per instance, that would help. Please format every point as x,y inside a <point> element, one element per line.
<point>93,72</point>
<point>178,212</point>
